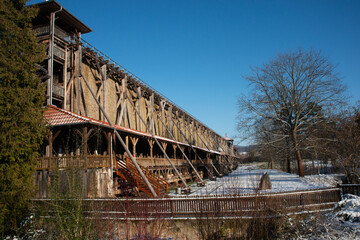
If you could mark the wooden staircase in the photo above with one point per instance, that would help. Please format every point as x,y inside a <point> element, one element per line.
<point>127,171</point>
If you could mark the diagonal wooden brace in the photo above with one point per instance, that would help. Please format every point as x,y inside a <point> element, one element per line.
<point>121,141</point>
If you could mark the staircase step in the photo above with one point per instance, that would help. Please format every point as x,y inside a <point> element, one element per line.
<point>127,171</point>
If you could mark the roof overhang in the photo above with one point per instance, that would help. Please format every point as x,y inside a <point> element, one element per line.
<point>57,117</point>
<point>64,18</point>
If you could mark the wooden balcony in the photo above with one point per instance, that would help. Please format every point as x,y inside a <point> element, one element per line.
<point>58,90</point>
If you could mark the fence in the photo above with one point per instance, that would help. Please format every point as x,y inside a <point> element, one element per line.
<point>65,162</point>
<point>350,188</point>
<point>212,207</point>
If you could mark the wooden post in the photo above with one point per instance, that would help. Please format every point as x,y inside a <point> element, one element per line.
<point>65,78</point>
<point>123,114</point>
<point>127,141</point>
<point>85,146</point>
<point>52,138</point>
<point>50,147</point>
<point>164,145</point>
<point>77,72</point>
<point>114,145</point>
<point>174,147</point>
<point>141,108</point>
<point>108,138</point>
<point>104,77</point>
<point>152,109</point>
<point>162,105</point>
<point>183,150</point>
<point>134,141</point>
<point>151,144</point>
<point>72,102</point>
<point>170,111</point>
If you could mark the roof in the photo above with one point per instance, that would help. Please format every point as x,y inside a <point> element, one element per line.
<point>64,18</point>
<point>227,138</point>
<point>56,117</point>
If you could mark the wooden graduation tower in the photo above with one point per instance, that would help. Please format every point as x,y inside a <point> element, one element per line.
<point>118,133</point>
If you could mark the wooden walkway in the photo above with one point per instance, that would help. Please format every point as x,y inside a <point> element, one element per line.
<point>211,207</point>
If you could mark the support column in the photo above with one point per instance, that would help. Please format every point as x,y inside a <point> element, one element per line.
<point>164,145</point>
<point>104,76</point>
<point>183,150</point>
<point>85,145</point>
<point>127,141</point>
<point>174,148</point>
<point>78,74</point>
<point>134,141</point>
<point>151,144</point>
<point>152,109</point>
<point>65,78</point>
<point>114,146</point>
<point>170,111</point>
<point>50,146</point>
<point>51,140</point>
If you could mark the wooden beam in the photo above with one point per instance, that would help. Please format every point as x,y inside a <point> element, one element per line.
<point>122,142</point>
<point>104,78</point>
<point>134,141</point>
<point>65,78</point>
<point>192,147</point>
<point>85,144</point>
<point>79,62</point>
<point>162,149</point>
<point>56,134</point>
<point>151,144</point>
<point>197,174</point>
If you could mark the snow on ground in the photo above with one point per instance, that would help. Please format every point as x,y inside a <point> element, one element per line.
<point>245,180</point>
<point>348,209</point>
<point>342,223</point>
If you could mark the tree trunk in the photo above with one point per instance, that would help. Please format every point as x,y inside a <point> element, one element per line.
<point>288,163</point>
<point>271,162</point>
<point>298,154</point>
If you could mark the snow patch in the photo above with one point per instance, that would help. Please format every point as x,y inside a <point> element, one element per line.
<point>245,180</point>
<point>348,209</point>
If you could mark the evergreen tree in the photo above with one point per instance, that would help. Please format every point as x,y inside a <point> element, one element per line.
<point>21,115</point>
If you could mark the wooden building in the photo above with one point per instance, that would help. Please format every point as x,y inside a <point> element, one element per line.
<point>111,126</point>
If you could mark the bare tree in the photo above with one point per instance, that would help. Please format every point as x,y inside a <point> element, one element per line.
<point>346,145</point>
<point>288,92</point>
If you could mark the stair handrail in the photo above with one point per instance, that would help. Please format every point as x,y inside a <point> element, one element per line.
<point>152,178</point>
<point>157,182</point>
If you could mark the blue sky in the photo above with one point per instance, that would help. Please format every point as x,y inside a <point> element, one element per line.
<point>195,52</point>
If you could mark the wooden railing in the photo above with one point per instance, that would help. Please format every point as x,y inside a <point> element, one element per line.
<point>66,162</point>
<point>57,88</point>
<point>214,207</point>
<point>127,170</point>
<point>350,188</point>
